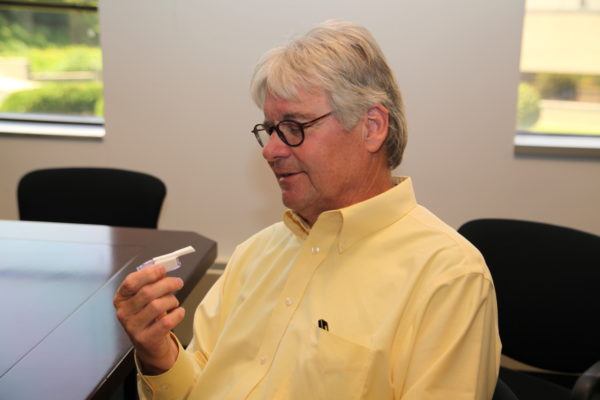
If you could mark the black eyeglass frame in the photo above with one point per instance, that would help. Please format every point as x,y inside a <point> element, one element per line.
<point>270,128</point>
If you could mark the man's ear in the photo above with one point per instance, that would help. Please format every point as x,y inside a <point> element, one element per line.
<point>376,128</point>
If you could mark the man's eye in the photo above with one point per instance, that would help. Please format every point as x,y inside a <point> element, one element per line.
<point>291,129</point>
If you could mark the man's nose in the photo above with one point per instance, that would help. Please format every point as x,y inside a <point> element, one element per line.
<point>275,148</point>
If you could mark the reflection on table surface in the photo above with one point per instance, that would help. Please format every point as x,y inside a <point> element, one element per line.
<point>61,338</point>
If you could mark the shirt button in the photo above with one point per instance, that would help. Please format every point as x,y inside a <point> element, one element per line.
<point>288,301</point>
<point>263,360</point>
<point>315,250</point>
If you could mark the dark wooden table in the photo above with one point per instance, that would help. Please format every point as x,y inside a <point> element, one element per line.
<point>59,337</point>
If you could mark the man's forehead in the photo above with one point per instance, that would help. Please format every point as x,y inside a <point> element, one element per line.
<point>305,105</point>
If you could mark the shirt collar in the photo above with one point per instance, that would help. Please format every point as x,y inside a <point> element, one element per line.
<point>362,219</point>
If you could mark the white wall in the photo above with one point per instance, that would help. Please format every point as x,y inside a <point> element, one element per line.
<point>177,106</point>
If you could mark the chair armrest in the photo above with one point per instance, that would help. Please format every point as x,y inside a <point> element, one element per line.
<point>587,386</point>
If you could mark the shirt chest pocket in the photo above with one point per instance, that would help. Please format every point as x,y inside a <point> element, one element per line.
<point>331,367</point>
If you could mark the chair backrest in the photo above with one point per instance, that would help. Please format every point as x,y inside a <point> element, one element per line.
<point>503,392</point>
<point>547,280</point>
<point>104,196</point>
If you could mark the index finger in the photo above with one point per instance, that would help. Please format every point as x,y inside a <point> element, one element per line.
<point>138,279</point>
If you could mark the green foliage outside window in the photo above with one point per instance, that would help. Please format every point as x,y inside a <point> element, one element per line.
<point>552,103</point>
<point>62,57</point>
<point>65,59</point>
<point>21,29</point>
<point>528,110</point>
<point>73,98</point>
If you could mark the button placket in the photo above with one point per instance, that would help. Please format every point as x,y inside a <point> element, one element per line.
<point>309,259</point>
<point>313,250</point>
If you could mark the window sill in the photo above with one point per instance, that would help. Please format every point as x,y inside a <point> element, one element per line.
<point>49,125</point>
<point>557,145</point>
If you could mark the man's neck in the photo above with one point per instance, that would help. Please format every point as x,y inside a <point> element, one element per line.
<point>376,186</point>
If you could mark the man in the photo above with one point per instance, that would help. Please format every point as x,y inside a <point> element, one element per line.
<point>360,293</point>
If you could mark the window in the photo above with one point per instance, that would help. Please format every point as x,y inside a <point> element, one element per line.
<point>50,68</point>
<point>559,93</point>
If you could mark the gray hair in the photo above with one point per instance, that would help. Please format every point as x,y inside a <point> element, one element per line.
<point>344,60</point>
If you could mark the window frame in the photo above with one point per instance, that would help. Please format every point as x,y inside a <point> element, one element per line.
<point>529,143</point>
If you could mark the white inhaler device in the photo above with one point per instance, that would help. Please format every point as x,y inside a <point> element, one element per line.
<point>170,260</point>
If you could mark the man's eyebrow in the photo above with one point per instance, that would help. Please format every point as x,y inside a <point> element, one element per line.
<point>298,116</point>
<point>291,116</point>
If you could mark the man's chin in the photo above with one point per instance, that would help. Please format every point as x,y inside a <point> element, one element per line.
<point>291,200</point>
<point>287,202</point>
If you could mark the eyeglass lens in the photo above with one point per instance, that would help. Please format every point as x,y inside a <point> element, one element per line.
<point>290,132</point>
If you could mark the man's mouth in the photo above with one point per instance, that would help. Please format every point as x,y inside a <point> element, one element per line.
<point>284,175</point>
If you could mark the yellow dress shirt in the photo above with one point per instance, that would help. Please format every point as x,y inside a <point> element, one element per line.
<point>379,300</point>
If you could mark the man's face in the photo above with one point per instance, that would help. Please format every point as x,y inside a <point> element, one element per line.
<point>329,170</point>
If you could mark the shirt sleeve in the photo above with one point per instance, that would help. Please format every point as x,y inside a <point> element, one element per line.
<point>172,384</point>
<point>457,347</point>
<point>180,379</point>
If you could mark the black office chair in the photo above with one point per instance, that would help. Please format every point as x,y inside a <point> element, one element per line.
<point>547,281</point>
<point>104,196</point>
<point>503,392</point>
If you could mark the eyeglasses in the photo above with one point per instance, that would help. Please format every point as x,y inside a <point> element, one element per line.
<point>289,131</point>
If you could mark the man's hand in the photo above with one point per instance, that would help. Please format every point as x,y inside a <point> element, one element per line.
<point>148,311</point>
